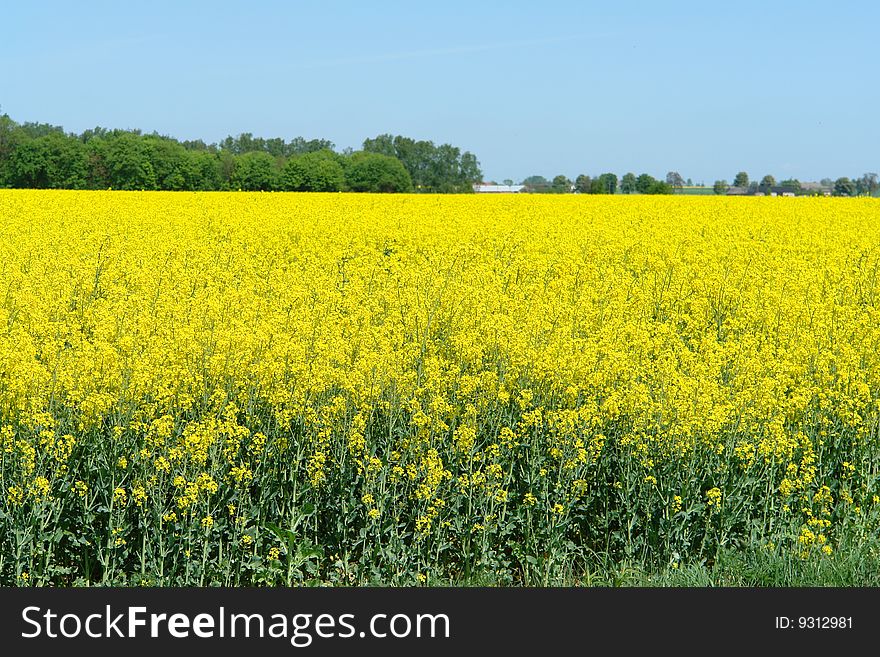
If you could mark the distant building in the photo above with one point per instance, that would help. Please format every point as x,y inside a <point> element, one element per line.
<point>816,189</point>
<point>485,188</point>
<point>806,189</point>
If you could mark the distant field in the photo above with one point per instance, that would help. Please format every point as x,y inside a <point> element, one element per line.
<point>273,389</point>
<point>696,190</point>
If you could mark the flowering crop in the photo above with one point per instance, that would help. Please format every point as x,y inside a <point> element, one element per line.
<point>250,389</point>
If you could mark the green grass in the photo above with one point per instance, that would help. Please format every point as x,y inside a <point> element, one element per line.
<point>696,191</point>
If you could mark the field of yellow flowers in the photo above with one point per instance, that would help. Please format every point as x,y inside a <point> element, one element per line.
<point>258,389</point>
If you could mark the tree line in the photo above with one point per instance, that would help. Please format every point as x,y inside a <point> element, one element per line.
<point>864,185</point>
<point>605,183</point>
<point>608,183</point>
<point>43,156</point>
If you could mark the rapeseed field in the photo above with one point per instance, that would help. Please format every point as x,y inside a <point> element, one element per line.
<point>262,389</point>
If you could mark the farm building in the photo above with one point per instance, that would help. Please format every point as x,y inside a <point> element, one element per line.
<point>486,188</point>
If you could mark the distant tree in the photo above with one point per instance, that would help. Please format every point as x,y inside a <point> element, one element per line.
<point>690,182</point>
<point>582,184</point>
<point>674,180</point>
<point>10,138</point>
<point>644,183</point>
<point>536,184</point>
<point>753,187</point>
<point>791,183</point>
<point>868,183</point>
<point>720,187</point>
<point>36,130</point>
<point>128,162</point>
<point>628,183</point>
<point>197,145</point>
<point>432,168</point>
<point>767,182</point>
<point>300,146</point>
<point>844,187</point>
<point>374,172</point>
<point>741,179</point>
<point>317,171</point>
<point>660,187</point>
<point>255,171</point>
<point>205,165</point>
<point>42,155</point>
<point>170,163</point>
<point>507,181</point>
<point>827,182</point>
<point>608,183</point>
<point>51,161</point>
<point>561,185</point>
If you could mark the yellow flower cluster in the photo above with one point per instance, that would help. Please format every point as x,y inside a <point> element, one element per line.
<point>437,357</point>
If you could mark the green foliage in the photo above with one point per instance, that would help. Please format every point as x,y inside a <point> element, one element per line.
<point>51,161</point>
<point>37,155</point>
<point>432,168</point>
<point>741,179</point>
<point>583,184</point>
<point>255,171</point>
<point>537,184</point>
<point>767,182</point>
<point>607,183</point>
<point>320,171</point>
<point>844,187</point>
<point>129,164</point>
<point>720,187</point>
<point>868,184</point>
<point>660,187</point>
<point>644,183</point>
<point>629,183</point>
<point>674,180</point>
<point>561,185</point>
<point>373,172</point>
<point>204,166</point>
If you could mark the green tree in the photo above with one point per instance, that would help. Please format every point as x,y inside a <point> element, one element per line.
<point>561,185</point>
<point>868,184</point>
<point>170,164</point>
<point>317,171</point>
<point>127,160</point>
<point>537,184</point>
<point>674,180</point>
<point>204,166</point>
<point>629,183</point>
<point>432,168</point>
<point>374,172</point>
<point>51,161</point>
<point>741,179</point>
<point>255,171</point>
<point>608,183</point>
<point>844,187</point>
<point>791,183</point>
<point>767,182</point>
<point>10,138</point>
<point>582,184</point>
<point>644,183</point>
<point>720,187</point>
<point>660,187</point>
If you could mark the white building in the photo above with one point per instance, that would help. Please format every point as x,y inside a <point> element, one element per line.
<point>497,189</point>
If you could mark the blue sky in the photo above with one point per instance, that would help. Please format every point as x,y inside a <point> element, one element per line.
<point>788,88</point>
